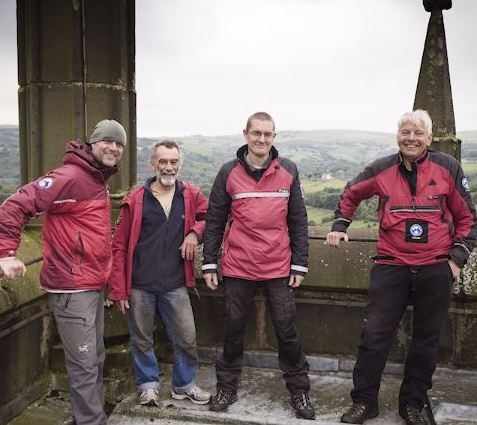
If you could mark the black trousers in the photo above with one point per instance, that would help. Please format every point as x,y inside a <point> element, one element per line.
<point>428,288</point>
<point>239,295</point>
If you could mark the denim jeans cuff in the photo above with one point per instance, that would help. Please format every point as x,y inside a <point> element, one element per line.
<point>185,387</point>
<point>147,386</point>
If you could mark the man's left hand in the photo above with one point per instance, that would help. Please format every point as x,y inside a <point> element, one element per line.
<point>295,280</point>
<point>189,246</point>
<point>455,269</point>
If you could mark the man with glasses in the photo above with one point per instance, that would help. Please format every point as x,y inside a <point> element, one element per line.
<point>256,200</point>
<point>73,199</point>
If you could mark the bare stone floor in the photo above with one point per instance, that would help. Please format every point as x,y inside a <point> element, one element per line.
<point>263,399</point>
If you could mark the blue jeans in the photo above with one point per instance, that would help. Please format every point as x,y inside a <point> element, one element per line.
<point>175,311</point>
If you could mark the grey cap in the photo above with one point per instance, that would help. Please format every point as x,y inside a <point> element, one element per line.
<point>108,130</point>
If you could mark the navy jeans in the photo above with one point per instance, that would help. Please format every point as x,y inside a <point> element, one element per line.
<point>392,288</point>
<point>239,294</point>
<point>175,311</point>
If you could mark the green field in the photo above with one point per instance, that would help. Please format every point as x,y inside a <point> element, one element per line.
<point>470,168</point>
<point>310,186</point>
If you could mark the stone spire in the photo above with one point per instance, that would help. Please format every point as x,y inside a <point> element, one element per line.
<point>433,91</point>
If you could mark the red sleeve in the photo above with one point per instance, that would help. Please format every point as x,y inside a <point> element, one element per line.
<point>27,203</point>
<point>200,203</point>
<point>118,277</point>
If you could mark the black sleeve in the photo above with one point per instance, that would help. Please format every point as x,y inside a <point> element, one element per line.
<point>216,220</point>
<point>297,221</point>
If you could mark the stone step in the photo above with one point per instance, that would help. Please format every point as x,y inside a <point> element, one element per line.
<point>263,399</point>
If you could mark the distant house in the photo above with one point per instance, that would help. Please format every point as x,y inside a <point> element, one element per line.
<point>326,177</point>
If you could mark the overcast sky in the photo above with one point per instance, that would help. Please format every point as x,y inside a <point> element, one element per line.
<point>203,66</point>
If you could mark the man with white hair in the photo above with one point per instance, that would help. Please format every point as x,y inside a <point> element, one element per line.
<point>74,201</point>
<point>427,229</point>
<point>154,246</point>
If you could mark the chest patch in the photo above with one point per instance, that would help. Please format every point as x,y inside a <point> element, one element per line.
<point>416,231</point>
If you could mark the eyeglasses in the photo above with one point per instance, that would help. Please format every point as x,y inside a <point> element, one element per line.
<point>266,135</point>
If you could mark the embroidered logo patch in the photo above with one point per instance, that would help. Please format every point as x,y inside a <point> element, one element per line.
<point>416,230</point>
<point>83,348</point>
<point>465,184</point>
<point>45,183</point>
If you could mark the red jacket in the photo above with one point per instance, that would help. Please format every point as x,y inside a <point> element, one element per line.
<point>128,230</point>
<point>263,223</point>
<point>424,218</point>
<point>76,226</point>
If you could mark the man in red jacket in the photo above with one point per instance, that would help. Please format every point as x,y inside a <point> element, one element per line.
<point>427,229</point>
<point>257,210</point>
<point>74,201</point>
<point>154,246</point>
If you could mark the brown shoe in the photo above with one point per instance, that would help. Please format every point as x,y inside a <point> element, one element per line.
<point>412,415</point>
<point>359,412</point>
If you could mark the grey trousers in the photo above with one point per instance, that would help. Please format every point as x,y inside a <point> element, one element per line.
<point>79,318</point>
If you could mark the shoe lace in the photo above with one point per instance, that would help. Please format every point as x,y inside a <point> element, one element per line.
<point>414,415</point>
<point>149,393</point>
<point>224,396</point>
<point>301,401</point>
<point>356,409</point>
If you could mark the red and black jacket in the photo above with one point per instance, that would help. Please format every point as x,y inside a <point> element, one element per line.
<point>426,215</point>
<point>267,227</point>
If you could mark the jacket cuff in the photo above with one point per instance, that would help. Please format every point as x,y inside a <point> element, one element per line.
<point>300,270</point>
<point>340,225</point>
<point>209,268</point>
<point>459,254</point>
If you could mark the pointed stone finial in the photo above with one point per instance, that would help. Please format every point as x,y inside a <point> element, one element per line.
<point>433,91</point>
<point>431,5</point>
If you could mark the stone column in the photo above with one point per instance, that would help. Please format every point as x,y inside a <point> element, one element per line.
<point>433,91</point>
<point>75,67</point>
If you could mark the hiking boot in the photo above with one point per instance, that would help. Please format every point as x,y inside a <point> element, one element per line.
<point>222,400</point>
<point>195,394</point>
<point>412,415</point>
<point>303,408</point>
<point>359,412</point>
<point>149,397</point>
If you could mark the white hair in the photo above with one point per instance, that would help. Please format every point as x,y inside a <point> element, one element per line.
<point>417,117</point>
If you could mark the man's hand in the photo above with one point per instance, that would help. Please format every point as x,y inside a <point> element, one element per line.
<point>334,238</point>
<point>189,246</point>
<point>211,280</point>
<point>12,267</point>
<point>455,269</point>
<point>295,280</point>
<point>122,305</point>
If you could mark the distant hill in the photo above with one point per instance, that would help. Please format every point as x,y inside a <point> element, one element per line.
<point>336,155</point>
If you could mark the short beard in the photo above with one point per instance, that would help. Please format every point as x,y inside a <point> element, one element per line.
<point>165,180</point>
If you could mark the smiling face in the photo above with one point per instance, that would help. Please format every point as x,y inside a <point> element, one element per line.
<point>166,164</point>
<point>107,152</point>
<point>413,140</point>
<point>259,138</point>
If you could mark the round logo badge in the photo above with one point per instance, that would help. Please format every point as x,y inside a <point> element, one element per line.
<point>45,183</point>
<point>416,230</point>
<point>465,184</point>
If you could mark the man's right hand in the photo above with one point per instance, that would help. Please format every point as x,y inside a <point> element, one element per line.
<point>334,238</point>
<point>122,305</point>
<point>12,267</point>
<point>211,280</point>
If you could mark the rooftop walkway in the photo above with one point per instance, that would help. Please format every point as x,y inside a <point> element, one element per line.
<point>263,398</point>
